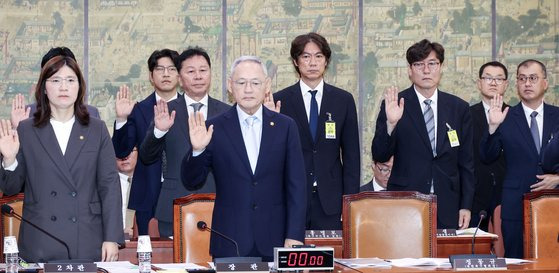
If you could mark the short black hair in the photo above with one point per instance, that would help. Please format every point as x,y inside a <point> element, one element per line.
<point>531,61</point>
<point>494,63</point>
<point>190,52</point>
<point>420,50</point>
<point>298,46</point>
<point>57,51</point>
<point>158,54</point>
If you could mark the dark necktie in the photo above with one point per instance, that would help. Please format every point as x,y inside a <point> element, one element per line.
<point>197,106</point>
<point>430,123</point>
<point>313,119</point>
<point>534,130</point>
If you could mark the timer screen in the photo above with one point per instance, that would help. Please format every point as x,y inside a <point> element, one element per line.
<point>305,259</point>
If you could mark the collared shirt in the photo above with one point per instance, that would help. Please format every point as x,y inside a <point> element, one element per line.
<point>539,118</point>
<point>204,108</point>
<point>124,189</point>
<point>434,102</point>
<point>307,96</point>
<point>119,125</point>
<point>486,108</point>
<point>62,130</point>
<point>377,186</point>
<point>257,127</point>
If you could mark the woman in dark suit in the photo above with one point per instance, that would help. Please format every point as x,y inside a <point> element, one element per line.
<point>65,162</point>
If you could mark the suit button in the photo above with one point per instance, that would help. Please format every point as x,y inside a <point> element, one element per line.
<point>310,173</point>
<point>73,194</point>
<point>254,207</point>
<point>53,218</point>
<point>255,183</point>
<point>314,151</point>
<point>53,193</point>
<point>73,219</point>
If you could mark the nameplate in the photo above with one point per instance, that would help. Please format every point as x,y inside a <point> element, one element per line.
<point>321,234</point>
<point>480,264</point>
<point>70,267</point>
<point>446,232</point>
<point>242,267</point>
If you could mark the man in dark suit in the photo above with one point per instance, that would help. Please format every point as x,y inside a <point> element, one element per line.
<point>167,138</point>
<point>381,173</point>
<point>256,158</point>
<point>521,135</point>
<point>327,120</point>
<point>430,139</point>
<point>489,177</point>
<point>132,122</point>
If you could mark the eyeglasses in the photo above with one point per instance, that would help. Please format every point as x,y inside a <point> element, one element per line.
<point>489,80</point>
<point>159,69</point>
<point>384,170</point>
<point>419,66</point>
<point>254,83</point>
<point>533,79</point>
<point>57,81</point>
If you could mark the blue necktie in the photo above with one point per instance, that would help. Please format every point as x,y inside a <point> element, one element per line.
<point>313,119</point>
<point>534,130</point>
<point>429,117</point>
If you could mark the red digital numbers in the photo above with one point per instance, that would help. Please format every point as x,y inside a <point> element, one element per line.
<point>302,259</point>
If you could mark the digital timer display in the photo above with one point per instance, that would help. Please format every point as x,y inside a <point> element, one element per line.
<point>321,258</point>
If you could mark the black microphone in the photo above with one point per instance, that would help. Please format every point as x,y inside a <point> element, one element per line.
<point>203,226</point>
<point>8,210</point>
<point>482,215</point>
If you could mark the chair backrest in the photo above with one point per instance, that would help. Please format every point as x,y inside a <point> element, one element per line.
<point>191,245</point>
<point>10,225</point>
<point>389,225</point>
<point>541,224</point>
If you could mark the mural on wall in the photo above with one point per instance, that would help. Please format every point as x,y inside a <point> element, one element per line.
<point>368,38</point>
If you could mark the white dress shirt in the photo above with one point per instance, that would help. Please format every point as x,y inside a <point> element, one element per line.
<point>307,96</point>
<point>434,101</point>
<point>539,118</point>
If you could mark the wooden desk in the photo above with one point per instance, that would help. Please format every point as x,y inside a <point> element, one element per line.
<point>547,265</point>
<point>446,246</point>
<point>162,251</point>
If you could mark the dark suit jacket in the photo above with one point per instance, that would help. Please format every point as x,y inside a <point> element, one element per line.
<point>90,108</point>
<point>325,156</point>
<point>175,144</point>
<point>452,170</point>
<point>522,159</point>
<point>259,209</point>
<point>489,177</point>
<point>550,156</point>
<point>146,185</point>
<point>76,196</point>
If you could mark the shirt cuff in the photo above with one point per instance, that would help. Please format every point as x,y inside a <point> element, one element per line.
<point>197,153</point>
<point>11,167</point>
<point>158,133</point>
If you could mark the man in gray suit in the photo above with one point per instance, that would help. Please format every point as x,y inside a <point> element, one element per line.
<point>168,138</point>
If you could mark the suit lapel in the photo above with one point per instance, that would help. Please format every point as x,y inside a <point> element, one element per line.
<point>301,113</point>
<point>549,124</point>
<point>443,113</point>
<point>146,108</point>
<point>267,139</point>
<point>47,138</point>
<point>212,107</point>
<point>233,130</point>
<point>78,137</point>
<point>326,103</point>
<point>181,117</point>
<point>522,124</point>
<point>416,115</point>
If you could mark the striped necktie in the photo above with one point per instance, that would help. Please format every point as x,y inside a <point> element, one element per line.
<point>429,118</point>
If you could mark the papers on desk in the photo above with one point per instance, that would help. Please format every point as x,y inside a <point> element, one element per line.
<point>412,262</point>
<point>469,232</point>
<point>182,266</point>
<point>517,261</point>
<point>409,262</point>
<point>363,262</point>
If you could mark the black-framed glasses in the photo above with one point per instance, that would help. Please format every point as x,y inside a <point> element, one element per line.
<point>489,80</point>
<point>384,170</point>
<point>532,78</point>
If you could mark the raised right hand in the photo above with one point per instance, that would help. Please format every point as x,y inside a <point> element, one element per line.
<point>496,113</point>
<point>19,111</point>
<point>124,104</point>
<point>393,109</point>
<point>9,142</point>
<point>199,136</point>
<point>163,121</point>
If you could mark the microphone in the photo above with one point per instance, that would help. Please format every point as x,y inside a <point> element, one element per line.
<point>8,210</point>
<point>482,215</point>
<point>203,226</point>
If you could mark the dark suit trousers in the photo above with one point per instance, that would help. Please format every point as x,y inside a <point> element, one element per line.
<point>142,221</point>
<point>317,219</point>
<point>512,238</point>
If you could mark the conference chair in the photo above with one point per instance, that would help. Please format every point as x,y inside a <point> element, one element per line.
<point>10,225</point>
<point>541,224</point>
<point>190,244</point>
<point>389,225</point>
